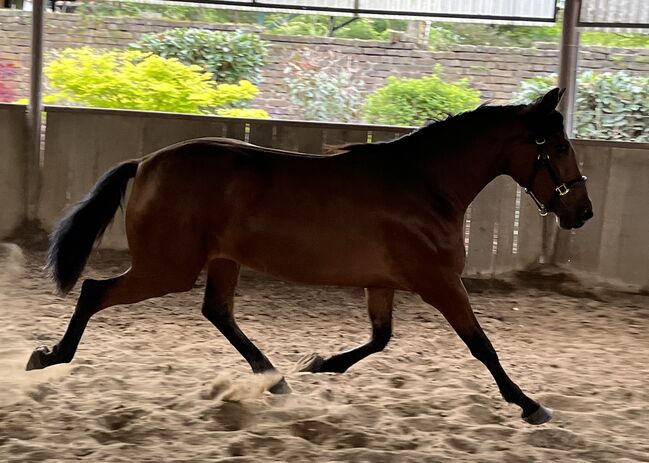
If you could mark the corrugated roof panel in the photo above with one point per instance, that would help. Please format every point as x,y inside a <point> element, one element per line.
<point>615,13</point>
<point>537,9</point>
<point>497,10</point>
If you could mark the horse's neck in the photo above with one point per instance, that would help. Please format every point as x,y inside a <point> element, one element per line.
<point>461,170</point>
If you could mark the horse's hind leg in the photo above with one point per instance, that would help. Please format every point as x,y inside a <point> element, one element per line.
<point>96,295</point>
<point>379,307</point>
<point>218,308</point>
<point>452,300</point>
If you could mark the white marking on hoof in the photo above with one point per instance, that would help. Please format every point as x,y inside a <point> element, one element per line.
<point>540,416</point>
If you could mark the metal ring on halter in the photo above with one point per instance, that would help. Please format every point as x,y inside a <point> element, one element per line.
<point>540,142</point>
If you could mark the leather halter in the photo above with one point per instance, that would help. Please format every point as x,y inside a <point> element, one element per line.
<point>562,188</point>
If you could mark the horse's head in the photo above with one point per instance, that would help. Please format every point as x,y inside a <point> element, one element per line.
<point>543,162</point>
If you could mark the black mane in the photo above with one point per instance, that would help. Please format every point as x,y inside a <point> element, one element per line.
<point>453,127</point>
<point>456,125</point>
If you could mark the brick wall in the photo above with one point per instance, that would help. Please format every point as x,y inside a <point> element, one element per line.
<point>494,71</point>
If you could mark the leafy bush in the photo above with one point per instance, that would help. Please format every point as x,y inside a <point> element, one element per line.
<point>323,88</point>
<point>229,56</point>
<point>136,80</point>
<point>530,89</point>
<point>248,113</point>
<point>7,93</point>
<point>443,35</point>
<point>300,25</point>
<point>363,29</point>
<point>318,25</point>
<point>418,101</point>
<point>615,39</point>
<point>609,106</point>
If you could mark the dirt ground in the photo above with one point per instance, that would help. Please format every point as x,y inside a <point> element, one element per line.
<point>156,382</point>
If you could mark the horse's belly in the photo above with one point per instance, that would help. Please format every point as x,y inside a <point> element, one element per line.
<point>306,255</point>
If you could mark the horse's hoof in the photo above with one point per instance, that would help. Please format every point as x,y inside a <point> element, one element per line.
<point>37,359</point>
<point>310,364</point>
<point>540,416</point>
<point>281,387</point>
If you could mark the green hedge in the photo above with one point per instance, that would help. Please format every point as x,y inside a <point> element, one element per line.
<point>609,106</point>
<point>418,101</point>
<point>229,56</point>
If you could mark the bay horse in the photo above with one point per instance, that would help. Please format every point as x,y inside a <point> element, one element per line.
<point>383,216</point>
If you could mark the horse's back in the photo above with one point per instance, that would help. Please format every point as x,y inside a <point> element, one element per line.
<point>314,219</point>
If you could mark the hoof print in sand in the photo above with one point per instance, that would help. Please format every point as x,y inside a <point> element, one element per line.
<point>228,416</point>
<point>558,439</point>
<point>319,432</point>
<point>120,425</point>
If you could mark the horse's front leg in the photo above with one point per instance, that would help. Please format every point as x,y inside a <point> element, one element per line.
<point>379,308</point>
<point>449,296</point>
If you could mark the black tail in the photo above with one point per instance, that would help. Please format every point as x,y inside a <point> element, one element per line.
<point>84,223</point>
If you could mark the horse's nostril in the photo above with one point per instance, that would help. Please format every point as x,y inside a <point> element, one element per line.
<point>588,214</point>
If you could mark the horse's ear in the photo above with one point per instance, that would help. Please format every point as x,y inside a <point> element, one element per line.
<point>547,103</point>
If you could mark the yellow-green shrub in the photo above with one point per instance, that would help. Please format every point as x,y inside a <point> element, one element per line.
<point>137,80</point>
<point>418,101</point>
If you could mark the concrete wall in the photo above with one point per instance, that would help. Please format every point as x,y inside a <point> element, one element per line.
<point>615,243</point>
<point>13,164</point>
<point>495,71</point>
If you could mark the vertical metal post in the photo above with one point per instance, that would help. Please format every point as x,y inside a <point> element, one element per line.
<point>558,242</point>
<point>568,67</point>
<point>35,109</point>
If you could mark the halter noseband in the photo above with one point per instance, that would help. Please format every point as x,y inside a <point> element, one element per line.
<point>562,189</point>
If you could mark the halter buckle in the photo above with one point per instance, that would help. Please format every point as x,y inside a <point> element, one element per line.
<point>562,189</point>
<point>539,205</point>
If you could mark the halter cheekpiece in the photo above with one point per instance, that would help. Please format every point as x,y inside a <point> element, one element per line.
<point>562,188</point>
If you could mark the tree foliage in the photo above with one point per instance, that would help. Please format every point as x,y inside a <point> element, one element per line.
<point>318,25</point>
<point>442,35</point>
<point>93,9</point>
<point>229,56</point>
<point>615,39</point>
<point>136,80</point>
<point>418,101</point>
<point>610,106</point>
